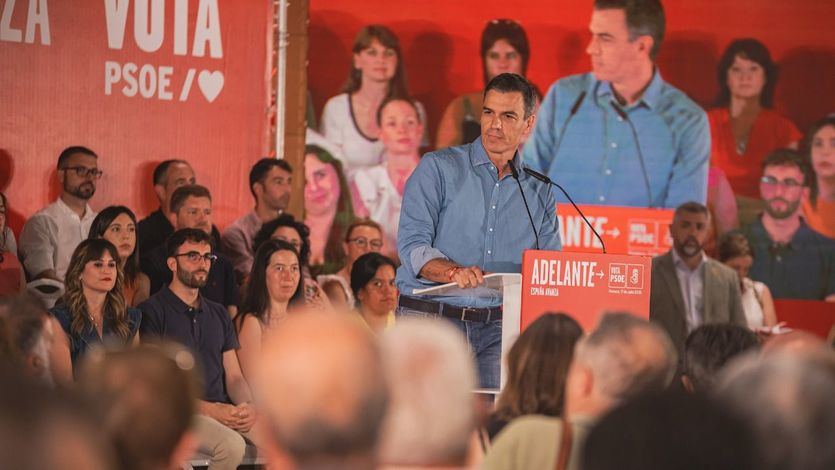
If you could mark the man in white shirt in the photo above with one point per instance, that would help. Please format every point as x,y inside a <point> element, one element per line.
<point>689,289</point>
<point>50,236</point>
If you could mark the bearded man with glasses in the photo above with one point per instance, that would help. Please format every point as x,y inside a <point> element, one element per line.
<point>179,312</point>
<point>50,236</point>
<point>794,261</point>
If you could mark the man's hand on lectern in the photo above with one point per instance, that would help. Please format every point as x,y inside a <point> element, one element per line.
<point>467,276</point>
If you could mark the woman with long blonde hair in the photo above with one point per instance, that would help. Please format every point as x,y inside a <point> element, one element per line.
<point>92,310</point>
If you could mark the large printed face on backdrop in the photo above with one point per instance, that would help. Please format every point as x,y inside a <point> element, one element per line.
<point>746,78</point>
<point>75,175</point>
<point>196,212</point>
<point>783,189</point>
<point>823,152</point>
<point>377,62</point>
<point>614,57</point>
<point>689,231</point>
<point>400,128</point>
<point>502,58</point>
<point>503,122</point>
<point>321,186</point>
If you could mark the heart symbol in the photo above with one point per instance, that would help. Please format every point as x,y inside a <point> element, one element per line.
<point>210,83</point>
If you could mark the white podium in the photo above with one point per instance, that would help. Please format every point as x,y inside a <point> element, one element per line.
<point>506,285</point>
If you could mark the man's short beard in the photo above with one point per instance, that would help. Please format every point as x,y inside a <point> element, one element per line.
<point>791,208</point>
<point>189,279</point>
<point>77,192</point>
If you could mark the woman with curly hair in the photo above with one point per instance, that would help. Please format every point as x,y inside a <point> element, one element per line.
<point>92,310</point>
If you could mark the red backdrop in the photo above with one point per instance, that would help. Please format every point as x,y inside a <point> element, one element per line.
<point>54,95</point>
<point>440,40</point>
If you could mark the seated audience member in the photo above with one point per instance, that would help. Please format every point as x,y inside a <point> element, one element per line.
<point>431,416</point>
<point>671,431</point>
<point>709,348</point>
<point>290,230</point>
<point>537,366</point>
<point>757,303</point>
<point>26,337</point>
<point>793,260</point>
<point>93,309</point>
<point>328,209</point>
<point>349,119</point>
<point>191,207</point>
<point>743,126</point>
<point>372,282</point>
<point>819,208</point>
<point>152,231</point>
<point>632,139</point>
<point>362,236</point>
<point>42,428</point>
<point>179,312</point>
<point>504,49</point>
<point>788,401</point>
<point>269,183</point>
<point>690,289</point>
<point>623,358</point>
<point>145,400</point>
<point>117,224</point>
<point>49,237</point>
<point>274,287</point>
<point>378,190</point>
<point>325,411</point>
<point>12,277</point>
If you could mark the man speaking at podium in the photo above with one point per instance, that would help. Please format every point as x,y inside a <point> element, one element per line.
<point>466,212</point>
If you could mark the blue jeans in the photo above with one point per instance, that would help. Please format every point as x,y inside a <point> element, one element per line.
<point>485,340</point>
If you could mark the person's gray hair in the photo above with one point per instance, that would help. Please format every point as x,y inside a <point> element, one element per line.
<point>788,399</point>
<point>431,377</point>
<point>628,356</point>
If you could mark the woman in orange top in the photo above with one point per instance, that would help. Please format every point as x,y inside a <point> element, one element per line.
<point>743,127</point>
<point>819,209</point>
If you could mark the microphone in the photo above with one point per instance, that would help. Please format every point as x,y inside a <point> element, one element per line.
<point>625,117</point>
<point>548,181</point>
<point>574,108</point>
<point>515,175</point>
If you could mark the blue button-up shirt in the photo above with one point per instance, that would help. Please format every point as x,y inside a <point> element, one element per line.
<point>597,161</point>
<point>456,208</point>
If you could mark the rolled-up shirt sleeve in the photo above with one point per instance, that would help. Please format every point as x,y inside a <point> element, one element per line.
<point>37,245</point>
<point>419,217</point>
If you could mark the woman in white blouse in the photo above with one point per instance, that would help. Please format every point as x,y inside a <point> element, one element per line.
<point>757,302</point>
<point>349,119</point>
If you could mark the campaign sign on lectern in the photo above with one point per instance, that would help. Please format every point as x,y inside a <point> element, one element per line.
<point>584,285</point>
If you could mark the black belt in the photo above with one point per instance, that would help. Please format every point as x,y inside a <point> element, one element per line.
<point>484,314</point>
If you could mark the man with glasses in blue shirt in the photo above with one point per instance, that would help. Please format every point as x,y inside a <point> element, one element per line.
<point>191,206</point>
<point>51,235</point>
<point>794,261</point>
<point>621,135</point>
<point>180,313</point>
<point>463,215</point>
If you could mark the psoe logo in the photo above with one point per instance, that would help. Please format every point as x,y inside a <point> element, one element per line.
<point>642,234</point>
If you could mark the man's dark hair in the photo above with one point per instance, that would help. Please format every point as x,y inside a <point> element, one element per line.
<point>670,430</point>
<point>709,347</point>
<point>511,82</point>
<point>263,166</point>
<point>161,170</point>
<point>643,18</point>
<point>691,207</point>
<point>145,399</point>
<point>789,157</point>
<point>22,319</point>
<point>178,238</point>
<point>184,192</point>
<point>755,51</point>
<point>70,151</point>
